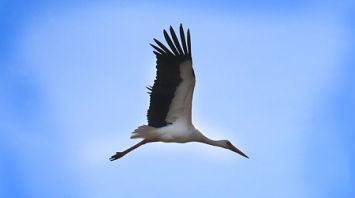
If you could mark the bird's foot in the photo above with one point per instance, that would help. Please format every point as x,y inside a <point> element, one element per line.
<point>118,155</point>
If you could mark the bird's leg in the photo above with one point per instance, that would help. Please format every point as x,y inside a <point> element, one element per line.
<point>121,154</point>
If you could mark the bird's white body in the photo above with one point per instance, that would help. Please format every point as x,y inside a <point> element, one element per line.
<point>178,132</point>
<point>169,113</point>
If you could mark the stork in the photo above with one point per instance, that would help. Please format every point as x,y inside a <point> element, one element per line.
<point>169,113</point>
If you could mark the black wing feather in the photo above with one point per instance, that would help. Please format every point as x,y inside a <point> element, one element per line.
<point>176,41</point>
<point>183,41</point>
<point>167,78</point>
<point>158,49</point>
<point>189,41</point>
<point>162,46</point>
<point>170,43</point>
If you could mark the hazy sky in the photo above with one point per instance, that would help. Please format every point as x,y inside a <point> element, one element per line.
<point>275,78</point>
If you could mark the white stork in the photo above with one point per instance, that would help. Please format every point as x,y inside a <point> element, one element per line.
<point>169,113</point>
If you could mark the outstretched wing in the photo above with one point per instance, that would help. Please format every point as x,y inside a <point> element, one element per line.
<point>171,94</point>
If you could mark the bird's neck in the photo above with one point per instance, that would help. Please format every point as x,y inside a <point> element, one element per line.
<point>209,141</point>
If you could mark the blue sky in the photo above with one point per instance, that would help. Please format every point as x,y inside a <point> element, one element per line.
<point>275,78</point>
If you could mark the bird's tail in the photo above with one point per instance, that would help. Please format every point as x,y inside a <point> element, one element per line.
<point>143,131</point>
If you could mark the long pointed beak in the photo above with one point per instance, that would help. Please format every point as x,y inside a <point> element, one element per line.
<point>235,149</point>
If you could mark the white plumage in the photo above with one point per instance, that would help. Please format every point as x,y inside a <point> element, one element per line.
<point>169,113</point>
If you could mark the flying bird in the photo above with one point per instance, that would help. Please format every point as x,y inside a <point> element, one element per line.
<point>169,113</point>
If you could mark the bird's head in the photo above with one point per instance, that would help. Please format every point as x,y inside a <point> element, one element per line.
<point>220,143</point>
<point>228,145</point>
